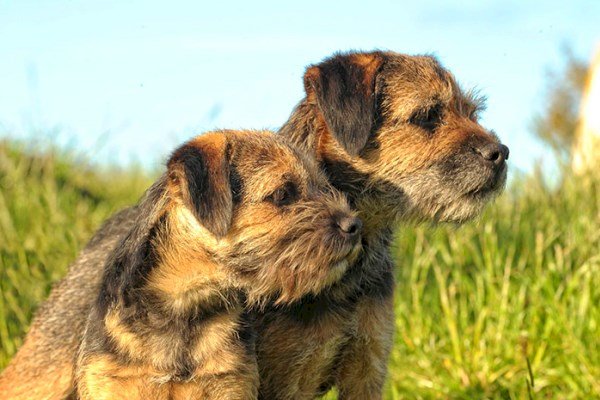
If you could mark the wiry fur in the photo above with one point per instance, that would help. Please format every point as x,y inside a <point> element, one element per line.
<point>170,320</point>
<point>393,168</point>
<point>414,154</point>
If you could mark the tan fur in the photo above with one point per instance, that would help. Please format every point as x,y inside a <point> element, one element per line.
<point>224,371</point>
<point>58,380</point>
<point>306,355</point>
<point>363,362</point>
<point>228,226</point>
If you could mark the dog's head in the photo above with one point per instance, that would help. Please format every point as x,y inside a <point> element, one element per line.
<point>262,210</point>
<point>401,127</point>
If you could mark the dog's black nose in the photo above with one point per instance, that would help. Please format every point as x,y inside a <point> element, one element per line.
<point>349,226</point>
<point>493,152</point>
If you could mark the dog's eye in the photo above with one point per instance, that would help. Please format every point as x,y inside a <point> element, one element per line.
<point>283,196</point>
<point>428,119</point>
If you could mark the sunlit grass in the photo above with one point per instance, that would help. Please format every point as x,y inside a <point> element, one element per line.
<point>50,204</point>
<point>475,304</point>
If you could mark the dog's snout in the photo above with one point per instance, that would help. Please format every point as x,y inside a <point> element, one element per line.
<point>349,226</point>
<point>494,152</point>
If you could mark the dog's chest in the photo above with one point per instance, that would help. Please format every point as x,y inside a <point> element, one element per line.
<point>301,346</point>
<point>164,387</point>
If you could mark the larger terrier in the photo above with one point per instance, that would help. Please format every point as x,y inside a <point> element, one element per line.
<point>399,136</point>
<point>401,139</point>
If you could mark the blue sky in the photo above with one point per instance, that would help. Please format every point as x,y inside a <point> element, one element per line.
<point>128,80</point>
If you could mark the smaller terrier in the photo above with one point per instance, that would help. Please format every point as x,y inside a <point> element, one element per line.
<point>238,219</point>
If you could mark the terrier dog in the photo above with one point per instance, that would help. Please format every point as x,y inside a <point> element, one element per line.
<point>238,217</point>
<point>402,140</point>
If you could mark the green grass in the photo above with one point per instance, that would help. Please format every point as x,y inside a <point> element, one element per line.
<point>476,304</point>
<point>506,307</point>
<point>50,204</point>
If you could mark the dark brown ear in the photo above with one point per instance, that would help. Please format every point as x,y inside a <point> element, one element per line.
<point>199,172</point>
<point>344,86</point>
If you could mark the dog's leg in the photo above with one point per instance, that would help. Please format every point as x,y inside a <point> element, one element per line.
<point>362,371</point>
<point>102,377</point>
<point>238,385</point>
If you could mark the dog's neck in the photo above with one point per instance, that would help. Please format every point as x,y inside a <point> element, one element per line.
<point>376,202</point>
<point>169,299</point>
<point>182,278</point>
<point>187,278</point>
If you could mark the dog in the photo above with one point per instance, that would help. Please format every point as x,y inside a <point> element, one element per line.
<point>395,133</point>
<point>238,217</point>
<point>401,139</point>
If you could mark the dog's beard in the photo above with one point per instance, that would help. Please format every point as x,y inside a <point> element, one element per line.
<point>441,195</point>
<point>285,263</point>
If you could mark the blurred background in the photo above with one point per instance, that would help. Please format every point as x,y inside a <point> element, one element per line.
<point>94,94</point>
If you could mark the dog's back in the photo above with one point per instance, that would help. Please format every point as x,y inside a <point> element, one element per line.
<point>42,368</point>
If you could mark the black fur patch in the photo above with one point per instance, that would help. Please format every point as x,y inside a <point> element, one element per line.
<point>198,182</point>
<point>246,331</point>
<point>145,260</point>
<point>210,200</point>
<point>346,102</point>
<point>185,367</point>
<point>236,183</point>
<point>312,308</point>
<point>344,177</point>
<point>128,267</point>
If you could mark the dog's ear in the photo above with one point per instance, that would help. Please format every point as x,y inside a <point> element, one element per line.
<point>345,90</point>
<point>199,172</point>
